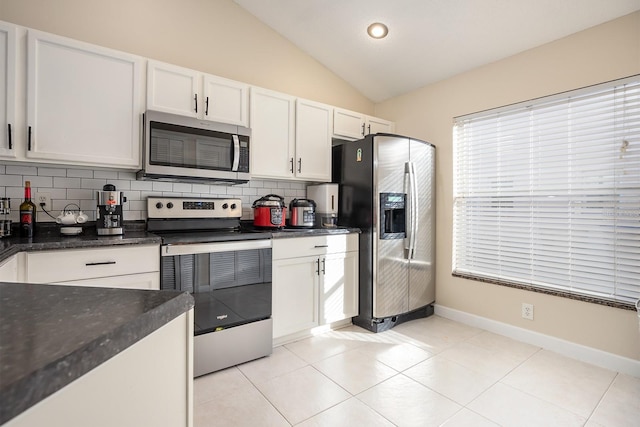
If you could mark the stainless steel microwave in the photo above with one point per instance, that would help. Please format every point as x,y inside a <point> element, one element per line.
<point>178,148</point>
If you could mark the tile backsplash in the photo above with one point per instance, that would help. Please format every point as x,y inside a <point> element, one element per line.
<point>79,186</point>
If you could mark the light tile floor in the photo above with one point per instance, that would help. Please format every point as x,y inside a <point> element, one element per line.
<point>428,372</point>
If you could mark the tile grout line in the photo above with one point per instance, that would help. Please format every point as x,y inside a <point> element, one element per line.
<point>595,408</point>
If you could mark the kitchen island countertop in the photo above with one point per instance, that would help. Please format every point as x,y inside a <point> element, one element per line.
<point>51,335</point>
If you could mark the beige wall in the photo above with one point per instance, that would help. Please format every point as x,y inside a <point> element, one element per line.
<point>602,53</point>
<point>213,36</point>
<point>218,37</point>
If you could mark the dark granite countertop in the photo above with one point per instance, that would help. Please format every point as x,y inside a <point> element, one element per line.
<point>51,335</point>
<point>48,237</point>
<point>302,232</point>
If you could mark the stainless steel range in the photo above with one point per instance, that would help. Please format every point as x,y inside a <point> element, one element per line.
<point>205,251</point>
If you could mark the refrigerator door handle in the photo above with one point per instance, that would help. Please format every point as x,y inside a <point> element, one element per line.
<point>415,211</point>
<point>411,184</point>
<point>408,219</point>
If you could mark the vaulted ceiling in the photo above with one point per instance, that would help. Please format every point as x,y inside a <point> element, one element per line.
<point>428,40</point>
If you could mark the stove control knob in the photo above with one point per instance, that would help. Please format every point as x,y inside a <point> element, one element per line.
<point>233,206</point>
<point>159,205</point>
<point>225,206</point>
<point>169,205</point>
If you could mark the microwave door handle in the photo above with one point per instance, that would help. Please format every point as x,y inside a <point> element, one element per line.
<point>236,153</point>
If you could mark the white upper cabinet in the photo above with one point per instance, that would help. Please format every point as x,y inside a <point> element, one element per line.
<point>172,89</point>
<point>187,92</point>
<point>290,138</point>
<point>272,134</point>
<point>348,124</point>
<point>83,103</point>
<point>376,125</point>
<point>313,141</point>
<point>225,101</point>
<point>352,125</point>
<point>7,89</point>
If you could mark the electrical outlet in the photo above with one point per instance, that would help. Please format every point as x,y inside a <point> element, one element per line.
<point>43,198</point>
<point>527,311</point>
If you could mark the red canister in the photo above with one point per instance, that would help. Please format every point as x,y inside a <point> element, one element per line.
<point>269,211</point>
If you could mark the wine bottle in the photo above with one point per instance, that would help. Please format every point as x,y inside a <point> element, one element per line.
<point>27,213</point>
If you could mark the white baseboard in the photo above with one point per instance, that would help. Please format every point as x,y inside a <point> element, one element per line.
<point>576,351</point>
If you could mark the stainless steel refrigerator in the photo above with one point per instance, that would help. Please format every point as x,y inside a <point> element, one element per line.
<point>386,188</point>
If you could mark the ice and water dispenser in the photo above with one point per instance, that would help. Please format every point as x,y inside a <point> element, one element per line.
<point>392,216</point>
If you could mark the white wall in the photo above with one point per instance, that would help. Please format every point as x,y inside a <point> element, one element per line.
<point>600,54</point>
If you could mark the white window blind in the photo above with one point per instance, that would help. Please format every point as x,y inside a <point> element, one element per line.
<point>547,193</point>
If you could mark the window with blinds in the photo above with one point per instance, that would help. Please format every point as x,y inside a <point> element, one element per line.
<point>547,193</point>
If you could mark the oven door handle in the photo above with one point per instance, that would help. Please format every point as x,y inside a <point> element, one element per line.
<point>205,248</point>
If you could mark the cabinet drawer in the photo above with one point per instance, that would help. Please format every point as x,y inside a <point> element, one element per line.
<point>77,264</point>
<point>314,245</point>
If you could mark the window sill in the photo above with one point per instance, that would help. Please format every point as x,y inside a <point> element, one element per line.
<point>548,291</point>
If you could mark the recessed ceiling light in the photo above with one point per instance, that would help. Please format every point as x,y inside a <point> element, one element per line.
<point>377,30</point>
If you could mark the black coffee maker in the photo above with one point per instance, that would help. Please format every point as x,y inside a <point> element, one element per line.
<point>109,219</point>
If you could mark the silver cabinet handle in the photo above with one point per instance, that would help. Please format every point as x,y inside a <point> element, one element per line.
<point>321,246</point>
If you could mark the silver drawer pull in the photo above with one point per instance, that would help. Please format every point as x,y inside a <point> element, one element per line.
<point>100,263</point>
<point>321,246</point>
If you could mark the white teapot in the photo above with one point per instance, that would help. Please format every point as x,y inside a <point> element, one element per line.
<point>71,218</point>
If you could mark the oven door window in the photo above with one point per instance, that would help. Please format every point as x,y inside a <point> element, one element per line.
<point>173,145</point>
<point>229,288</point>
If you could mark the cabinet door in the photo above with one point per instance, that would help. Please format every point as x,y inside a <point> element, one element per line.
<point>173,89</point>
<point>7,89</point>
<point>313,141</point>
<point>226,101</point>
<point>348,124</point>
<point>339,288</point>
<point>84,103</point>
<point>295,295</point>
<point>272,134</point>
<point>9,269</point>
<point>376,125</point>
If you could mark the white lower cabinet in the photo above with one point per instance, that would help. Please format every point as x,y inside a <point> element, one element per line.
<point>9,269</point>
<point>339,291</point>
<point>134,267</point>
<point>147,384</point>
<point>295,295</point>
<point>315,282</point>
